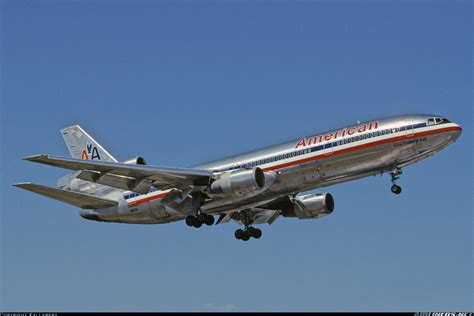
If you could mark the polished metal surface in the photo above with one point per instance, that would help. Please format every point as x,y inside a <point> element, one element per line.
<point>150,195</point>
<point>238,182</point>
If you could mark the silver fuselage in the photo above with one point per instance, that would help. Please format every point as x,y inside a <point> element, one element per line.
<point>311,162</point>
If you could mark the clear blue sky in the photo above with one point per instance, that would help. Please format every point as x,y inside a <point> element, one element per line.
<point>186,82</point>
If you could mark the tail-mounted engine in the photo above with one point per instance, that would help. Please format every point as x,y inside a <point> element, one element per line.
<point>241,182</point>
<point>135,161</point>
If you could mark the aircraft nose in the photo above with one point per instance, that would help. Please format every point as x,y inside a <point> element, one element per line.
<point>457,131</point>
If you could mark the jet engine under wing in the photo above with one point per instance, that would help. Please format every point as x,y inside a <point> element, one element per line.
<point>137,178</point>
<point>81,200</point>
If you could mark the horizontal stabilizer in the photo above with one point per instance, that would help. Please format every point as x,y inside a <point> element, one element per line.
<point>81,200</point>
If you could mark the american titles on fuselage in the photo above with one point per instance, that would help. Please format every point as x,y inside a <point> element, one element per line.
<point>308,141</point>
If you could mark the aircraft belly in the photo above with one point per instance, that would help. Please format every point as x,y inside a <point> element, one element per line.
<point>132,219</point>
<point>146,213</point>
<point>355,162</point>
<point>158,211</point>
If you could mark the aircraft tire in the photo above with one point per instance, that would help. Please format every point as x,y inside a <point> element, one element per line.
<point>257,233</point>
<point>250,231</point>
<point>239,233</point>
<point>396,189</point>
<point>190,220</point>
<point>202,218</point>
<point>209,220</point>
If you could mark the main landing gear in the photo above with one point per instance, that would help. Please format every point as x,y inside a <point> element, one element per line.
<point>200,219</point>
<point>249,231</point>
<point>396,189</point>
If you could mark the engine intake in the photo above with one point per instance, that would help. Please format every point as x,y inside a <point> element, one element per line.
<point>135,161</point>
<point>240,182</point>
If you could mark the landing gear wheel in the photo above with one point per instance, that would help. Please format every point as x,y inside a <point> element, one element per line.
<point>246,236</point>
<point>239,234</point>
<point>201,218</point>
<point>190,220</point>
<point>396,189</point>
<point>257,233</point>
<point>197,223</point>
<point>209,220</point>
<point>250,231</point>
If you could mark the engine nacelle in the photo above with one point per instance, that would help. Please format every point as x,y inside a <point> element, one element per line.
<point>90,215</point>
<point>239,182</point>
<point>311,206</point>
<point>135,161</point>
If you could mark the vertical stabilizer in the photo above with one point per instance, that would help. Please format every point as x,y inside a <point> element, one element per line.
<point>82,146</point>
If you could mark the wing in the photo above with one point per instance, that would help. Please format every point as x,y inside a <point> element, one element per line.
<point>138,178</point>
<point>81,200</point>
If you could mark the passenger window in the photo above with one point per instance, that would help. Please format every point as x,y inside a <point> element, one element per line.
<point>438,120</point>
<point>431,121</point>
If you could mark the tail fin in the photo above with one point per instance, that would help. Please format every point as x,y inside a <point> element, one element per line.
<point>82,146</point>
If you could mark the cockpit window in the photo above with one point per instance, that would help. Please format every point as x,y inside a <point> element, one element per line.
<point>436,120</point>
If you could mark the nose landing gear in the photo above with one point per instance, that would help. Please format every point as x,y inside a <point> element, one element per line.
<point>396,189</point>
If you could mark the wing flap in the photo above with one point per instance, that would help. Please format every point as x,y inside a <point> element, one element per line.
<point>111,180</point>
<point>81,200</point>
<point>261,216</point>
<point>258,216</point>
<point>224,218</point>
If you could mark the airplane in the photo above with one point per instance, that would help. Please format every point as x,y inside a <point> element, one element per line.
<point>252,188</point>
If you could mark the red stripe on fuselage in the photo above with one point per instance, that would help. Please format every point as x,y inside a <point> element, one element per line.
<point>363,146</point>
<point>147,199</point>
